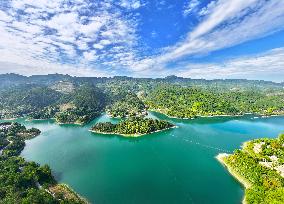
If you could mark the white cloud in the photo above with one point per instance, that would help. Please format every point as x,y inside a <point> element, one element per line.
<point>208,9</point>
<point>226,23</point>
<point>268,65</point>
<point>4,17</point>
<point>58,31</point>
<point>98,46</point>
<point>239,24</point>
<point>105,42</point>
<point>27,28</point>
<point>90,56</point>
<point>93,27</point>
<point>41,69</point>
<point>131,4</point>
<point>223,11</point>
<point>190,7</point>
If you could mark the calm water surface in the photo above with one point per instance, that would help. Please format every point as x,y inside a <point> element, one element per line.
<point>175,166</point>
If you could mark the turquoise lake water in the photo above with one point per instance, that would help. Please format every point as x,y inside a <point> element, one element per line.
<point>177,166</point>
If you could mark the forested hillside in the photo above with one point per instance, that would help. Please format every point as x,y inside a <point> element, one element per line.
<point>130,105</point>
<point>20,100</point>
<point>82,106</point>
<point>189,102</point>
<point>79,100</point>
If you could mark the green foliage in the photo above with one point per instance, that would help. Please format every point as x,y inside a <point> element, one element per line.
<point>45,113</point>
<point>133,126</point>
<point>14,148</point>
<point>267,185</point>
<point>88,102</point>
<point>129,106</point>
<point>18,101</point>
<point>18,182</point>
<point>42,97</point>
<point>21,181</point>
<point>13,136</point>
<point>189,102</point>
<point>281,138</point>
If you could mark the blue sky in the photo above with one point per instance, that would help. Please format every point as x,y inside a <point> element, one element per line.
<point>144,38</point>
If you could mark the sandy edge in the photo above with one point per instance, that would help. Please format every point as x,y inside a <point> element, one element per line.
<point>220,157</point>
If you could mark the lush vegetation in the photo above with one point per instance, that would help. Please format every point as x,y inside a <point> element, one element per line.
<point>132,126</point>
<point>189,102</point>
<point>13,137</point>
<point>79,100</point>
<point>86,103</point>
<point>80,105</point>
<point>27,182</point>
<point>260,163</point>
<point>129,106</point>
<point>22,100</point>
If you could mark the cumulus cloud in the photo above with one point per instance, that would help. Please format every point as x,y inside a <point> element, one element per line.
<point>58,31</point>
<point>90,56</point>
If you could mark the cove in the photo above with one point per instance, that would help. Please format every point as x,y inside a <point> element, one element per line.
<point>173,166</point>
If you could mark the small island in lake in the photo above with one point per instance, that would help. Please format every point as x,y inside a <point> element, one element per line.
<point>27,182</point>
<point>132,127</point>
<point>259,166</point>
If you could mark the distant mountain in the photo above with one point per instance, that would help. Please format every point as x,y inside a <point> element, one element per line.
<point>80,99</point>
<point>11,79</point>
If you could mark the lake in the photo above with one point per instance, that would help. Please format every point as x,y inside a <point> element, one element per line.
<point>174,166</point>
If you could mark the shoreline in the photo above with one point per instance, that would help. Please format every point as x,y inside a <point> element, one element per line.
<point>31,119</point>
<point>80,124</point>
<point>118,117</point>
<point>216,116</point>
<point>72,191</point>
<point>131,135</point>
<point>11,118</point>
<point>245,183</point>
<point>54,120</point>
<point>156,111</point>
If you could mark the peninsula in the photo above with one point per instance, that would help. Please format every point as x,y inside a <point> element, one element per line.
<point>259,166</point>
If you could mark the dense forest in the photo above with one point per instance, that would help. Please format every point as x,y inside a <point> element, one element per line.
<point>129,106</point>
<point>80,105</point>
<point>189,102</point>
<point>27,182</point>
<point>80,99</point>
<point>261,165</point>
<point>133,126</point>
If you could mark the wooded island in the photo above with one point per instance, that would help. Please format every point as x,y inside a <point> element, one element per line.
<point>132,127</point>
